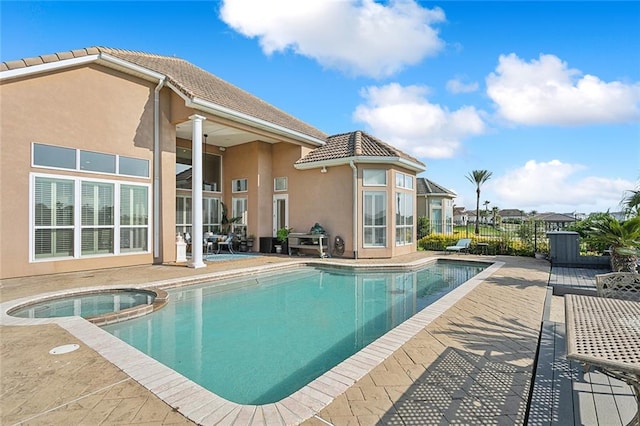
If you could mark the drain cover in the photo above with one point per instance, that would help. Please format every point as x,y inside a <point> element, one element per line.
<point>64,349</point>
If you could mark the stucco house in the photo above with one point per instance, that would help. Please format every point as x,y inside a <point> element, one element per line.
<point>101,148</point>
<point>436,203</point>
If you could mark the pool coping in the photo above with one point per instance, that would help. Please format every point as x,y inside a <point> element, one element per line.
<point>205,407</point>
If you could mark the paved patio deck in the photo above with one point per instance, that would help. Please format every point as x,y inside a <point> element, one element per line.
<point>471,364</point>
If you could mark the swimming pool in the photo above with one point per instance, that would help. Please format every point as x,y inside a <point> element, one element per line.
<point>259,339</point>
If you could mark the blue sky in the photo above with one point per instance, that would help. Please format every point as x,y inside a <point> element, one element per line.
<point>545,95</point>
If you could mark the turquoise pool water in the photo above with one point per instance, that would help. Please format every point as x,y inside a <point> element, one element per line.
<point>85,305</point>
<point>258,340</point>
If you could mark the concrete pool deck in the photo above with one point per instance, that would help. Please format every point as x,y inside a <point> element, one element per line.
<point>471,364</point>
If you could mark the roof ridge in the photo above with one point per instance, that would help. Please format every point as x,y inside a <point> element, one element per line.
<point>357,146</point>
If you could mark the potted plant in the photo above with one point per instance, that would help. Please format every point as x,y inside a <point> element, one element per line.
<point>282,235</point>
<point>622,238</point>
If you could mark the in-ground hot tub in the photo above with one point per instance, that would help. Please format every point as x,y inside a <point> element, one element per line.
<point>105,306</point>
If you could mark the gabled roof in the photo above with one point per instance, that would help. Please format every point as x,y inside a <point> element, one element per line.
<point>554,217</point>
<point>359,147</point>
<point>511,213</point>
<point>426,187</point>
<point>192,82</point>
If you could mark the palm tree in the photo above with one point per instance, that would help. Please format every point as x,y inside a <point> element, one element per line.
<point>631,203</point>
<point>478,177</point>
<point>486,210</point>
<point>623,239</point>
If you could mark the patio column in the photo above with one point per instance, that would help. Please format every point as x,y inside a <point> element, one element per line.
<point>196,191</point>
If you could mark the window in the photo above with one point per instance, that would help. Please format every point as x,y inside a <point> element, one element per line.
<point>89,161</point>
<point>374,177</point>
<point>97,162</point>
<point>97,218</point>
<point>211,214</point>
<point>134,218</point>
<point>53,217</point>
<point>66,210</point>
<point>375,219</point>
<point>239,185</point>
<point>404,181</point>
<point>404,218</point>
<point>54,156</point>
<point>211,172</point>
<point>133,167</point>
<point>239,210</point>
<point>280,184</point>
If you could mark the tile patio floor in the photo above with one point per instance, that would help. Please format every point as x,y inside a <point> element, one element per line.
<point>471,365</point>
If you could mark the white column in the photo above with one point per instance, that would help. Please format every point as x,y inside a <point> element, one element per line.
<point>196,191</point>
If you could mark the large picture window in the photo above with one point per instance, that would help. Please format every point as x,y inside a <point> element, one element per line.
<point>97,218</point>
<point>134,218</point>
<point>374,177</point>
<point>54,206</point>
<point>404,218</point>
<point>375,219</point>
<point>211,170</point>
<point>211,215</point>
<point>69,210</point>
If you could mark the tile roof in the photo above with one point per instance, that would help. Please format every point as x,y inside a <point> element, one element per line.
<point>425,186</point>
<point>192,81</point>
<point>354,144</point>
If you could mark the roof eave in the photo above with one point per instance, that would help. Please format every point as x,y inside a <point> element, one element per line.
<point>101,58</point>
<point>361,159</point>
<point>47,67</point>
<point>210,107</point>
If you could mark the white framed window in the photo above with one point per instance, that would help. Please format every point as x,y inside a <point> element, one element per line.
<point>404,181</point>
<point>280,184</point>
<point>404,218</point>
<point>74,217</point>
<point>97,218</point>
<point>374,177</point>
<point>134,218</point>
<point>211,214</point>
<point>239,185</point>
<point>375,218</point>
<point>57,157</point>
<point>239,208</point>
<point>53,217</point>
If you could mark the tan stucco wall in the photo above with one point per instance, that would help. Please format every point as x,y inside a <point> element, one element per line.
<point>89,107</point>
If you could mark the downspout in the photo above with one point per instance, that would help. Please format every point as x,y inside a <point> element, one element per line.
<point>156,169</point>
<point>355,209</point>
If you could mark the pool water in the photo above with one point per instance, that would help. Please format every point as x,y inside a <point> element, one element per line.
<point>86,305</point>
<point>258,340</point>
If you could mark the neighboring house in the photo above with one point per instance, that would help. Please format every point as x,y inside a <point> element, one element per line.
<point>460,216</point>
<point>436,203</point>
<point>512,215</point>
<point>101,147</point>
<point>554,221</point>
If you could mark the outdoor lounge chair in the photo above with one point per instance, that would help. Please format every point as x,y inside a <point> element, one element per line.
<point>619,285</point>
<point>228,243</point>
<point>462,245</point>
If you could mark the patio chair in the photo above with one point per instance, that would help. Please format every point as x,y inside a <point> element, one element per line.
<point>619,285</point>
<point>461,246</point>
<point>228,243</point>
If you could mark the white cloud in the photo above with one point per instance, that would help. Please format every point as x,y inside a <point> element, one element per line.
<point>403,117</point>
<point>554,186</point>
<point>361,37</point>
<point>547,91</point>
<point>456,85</point>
